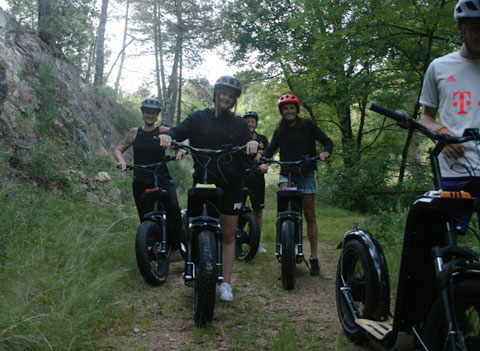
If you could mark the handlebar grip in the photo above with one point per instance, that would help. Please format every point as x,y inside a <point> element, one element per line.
<point>156,138</point>
<point>397,116</point>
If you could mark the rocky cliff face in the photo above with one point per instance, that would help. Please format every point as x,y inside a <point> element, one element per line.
<point>36,82</point>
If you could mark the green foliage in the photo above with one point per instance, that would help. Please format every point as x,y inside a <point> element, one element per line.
<point>198,95</point>
<point>181,173</point>
<point>356,187</point>
<point>338,55</point>
<point>72,25</point>
<point>388,227</point>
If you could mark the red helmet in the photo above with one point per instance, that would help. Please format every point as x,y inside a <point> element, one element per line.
<point>289,99</point>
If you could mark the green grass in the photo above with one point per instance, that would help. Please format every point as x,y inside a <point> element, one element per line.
<point>70,282</point>
<point>61,263</point>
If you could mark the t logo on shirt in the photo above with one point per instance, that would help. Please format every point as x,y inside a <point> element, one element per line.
<point>462,99</point>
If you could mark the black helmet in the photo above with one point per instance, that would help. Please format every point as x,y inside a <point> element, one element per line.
<point>251,114</point>
<point>151,103</point>
<point>228,82</point>
<point>466,9</point>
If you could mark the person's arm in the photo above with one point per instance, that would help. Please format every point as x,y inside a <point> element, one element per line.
<point>126,142</point>
<point>326,142</point>
<point>452,151</point>
<point>182,131</point>
<point>272,146</point>
<point>180,152</point>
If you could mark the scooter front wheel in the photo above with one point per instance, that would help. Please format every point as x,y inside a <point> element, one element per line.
<point>466,299</point>
<point>205,277</point>
<point>288,261</point>
<point>355,279</point>
<point>153,265</point>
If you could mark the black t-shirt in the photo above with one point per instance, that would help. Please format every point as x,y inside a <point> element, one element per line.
<point>262,141</point>
<point>298,142</point>
<point>262,145</point>
<point>145,152</point>
<point>204,130</point>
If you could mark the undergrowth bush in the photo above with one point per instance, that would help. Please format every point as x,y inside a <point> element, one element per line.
<point>47,162</point>
<point>355,187</point>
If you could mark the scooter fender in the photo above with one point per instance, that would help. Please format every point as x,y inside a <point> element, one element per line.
<point>378,262</point>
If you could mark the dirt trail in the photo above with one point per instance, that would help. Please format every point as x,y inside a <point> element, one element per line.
<point>164,315</point>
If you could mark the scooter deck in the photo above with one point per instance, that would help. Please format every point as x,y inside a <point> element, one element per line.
<point>378,329</point>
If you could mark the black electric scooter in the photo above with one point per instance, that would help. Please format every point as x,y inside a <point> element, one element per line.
<point>437,303</point>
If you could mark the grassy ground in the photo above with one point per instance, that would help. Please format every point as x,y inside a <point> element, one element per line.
<point>70,282</point>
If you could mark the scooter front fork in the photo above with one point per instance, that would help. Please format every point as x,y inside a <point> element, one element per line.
<point>189,275</point>
<point>298,241</point>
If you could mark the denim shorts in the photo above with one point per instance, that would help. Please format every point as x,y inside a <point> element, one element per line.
<point>304,182</point>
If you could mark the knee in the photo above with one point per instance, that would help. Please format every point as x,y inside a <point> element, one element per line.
<point>228,238</point>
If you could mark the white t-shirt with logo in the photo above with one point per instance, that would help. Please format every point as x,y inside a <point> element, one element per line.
<point>452,85</point>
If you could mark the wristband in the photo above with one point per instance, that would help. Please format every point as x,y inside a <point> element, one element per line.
<point>439,129</point>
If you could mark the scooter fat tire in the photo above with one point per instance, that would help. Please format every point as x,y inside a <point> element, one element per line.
<point>205,278</point>
<point>288,261</point>
<point>357,271</point>
<point>466,296</point>
<point>153,267</point>
<point>246,246</point>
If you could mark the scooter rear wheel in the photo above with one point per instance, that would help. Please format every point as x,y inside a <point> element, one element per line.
<point>355,272</point>
<point>247,237</point>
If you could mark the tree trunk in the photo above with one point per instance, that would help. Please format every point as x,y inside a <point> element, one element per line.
<point>100,49</point>
<point>180,84</point>
<point>157,43</point>
<point>124,46</point>
<point>344,115</point>
<point>45,31</point>
<point>172,92</point>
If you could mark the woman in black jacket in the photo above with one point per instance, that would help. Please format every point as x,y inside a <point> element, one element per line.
<point>296,138</point>
<point>211,128</point>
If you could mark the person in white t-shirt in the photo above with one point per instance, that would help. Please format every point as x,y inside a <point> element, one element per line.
<point>452,88</point>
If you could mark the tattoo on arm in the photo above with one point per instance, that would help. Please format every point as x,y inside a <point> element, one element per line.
<point>128,140</point>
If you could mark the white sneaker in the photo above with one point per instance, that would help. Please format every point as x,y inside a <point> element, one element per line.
<point>225,291</point>
<point>261,249</point>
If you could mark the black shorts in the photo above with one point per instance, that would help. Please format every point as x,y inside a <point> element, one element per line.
<point>231,199</point>
<point>257,192</point>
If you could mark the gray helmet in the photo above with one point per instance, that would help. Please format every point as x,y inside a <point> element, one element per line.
<point>151,103</point>
<point>251,114</point>
<point>228,82</point>
<point>466,9</point>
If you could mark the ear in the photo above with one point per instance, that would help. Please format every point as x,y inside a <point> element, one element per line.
<point>459,27</point>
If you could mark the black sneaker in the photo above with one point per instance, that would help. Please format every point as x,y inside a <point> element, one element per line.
<point>314,267</point>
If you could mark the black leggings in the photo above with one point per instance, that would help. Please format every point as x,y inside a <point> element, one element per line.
<point>144,206</point>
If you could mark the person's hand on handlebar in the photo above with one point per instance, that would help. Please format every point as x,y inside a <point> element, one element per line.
<point>324,155</point>
<point>452,151</point>
<point>251,147</point>
<point>165,140</point>
<point>180,154</point>
<point>122,165</point>
<point>263,168</point>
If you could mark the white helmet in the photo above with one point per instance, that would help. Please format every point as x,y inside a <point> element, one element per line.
<point>466,9</point>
